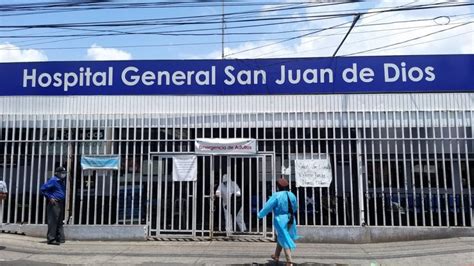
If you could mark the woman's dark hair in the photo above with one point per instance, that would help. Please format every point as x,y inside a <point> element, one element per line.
<point>282,184</point>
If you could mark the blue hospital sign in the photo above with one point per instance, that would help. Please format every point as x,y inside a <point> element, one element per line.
<point>373,74</point>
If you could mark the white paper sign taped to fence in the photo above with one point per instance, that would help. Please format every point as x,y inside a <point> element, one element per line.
<point>313,173</point>
<point>185,168</point>
<point>226,146</point>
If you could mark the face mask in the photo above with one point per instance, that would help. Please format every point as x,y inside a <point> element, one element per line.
<point>62,175</point>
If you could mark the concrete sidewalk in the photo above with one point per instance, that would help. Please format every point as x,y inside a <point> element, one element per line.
<point>21,250</point>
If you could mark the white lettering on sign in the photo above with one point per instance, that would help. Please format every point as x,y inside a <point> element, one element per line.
<point>309,76</point>
<point>131,77</point>
<point>282,75</point>
<point>395,73</point>
<point>84,78</point>
<point>244,77</point>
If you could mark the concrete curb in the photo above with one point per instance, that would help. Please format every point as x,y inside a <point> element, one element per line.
<point>361,235</point>
<point>85,232</point>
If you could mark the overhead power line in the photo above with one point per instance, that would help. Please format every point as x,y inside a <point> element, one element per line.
<point>406,30</point>
<point>319,48</point>
<point>409,40</point>
<point>181,21</point>
<point>181,33</point>
<point>425,42</point>
<point>52,9</point>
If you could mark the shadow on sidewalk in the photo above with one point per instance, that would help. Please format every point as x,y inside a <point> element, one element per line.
<point>269,263</point>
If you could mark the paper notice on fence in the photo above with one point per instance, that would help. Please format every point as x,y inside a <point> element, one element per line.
<point>313,173</point>
<point>185,168</point>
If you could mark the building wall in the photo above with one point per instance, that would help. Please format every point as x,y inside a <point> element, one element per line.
<point>234,104</point>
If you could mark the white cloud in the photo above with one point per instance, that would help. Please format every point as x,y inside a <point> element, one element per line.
<point>452,41</point>
<point>99,53</point>
<point>12,53</point>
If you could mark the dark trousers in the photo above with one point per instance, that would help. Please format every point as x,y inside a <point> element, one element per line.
<point>55,213</point>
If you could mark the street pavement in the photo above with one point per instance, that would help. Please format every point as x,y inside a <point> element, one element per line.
<point>24,250</point>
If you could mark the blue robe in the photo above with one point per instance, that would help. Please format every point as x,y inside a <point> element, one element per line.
<point>278,203</point>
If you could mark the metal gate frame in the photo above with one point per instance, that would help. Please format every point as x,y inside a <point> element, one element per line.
<point>210,232</point>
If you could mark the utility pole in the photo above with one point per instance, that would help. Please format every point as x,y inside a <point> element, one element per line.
<point>356,18</point>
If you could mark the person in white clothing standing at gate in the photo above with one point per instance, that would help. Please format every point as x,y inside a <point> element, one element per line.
<point>3,196</point>
<point>226,190</point>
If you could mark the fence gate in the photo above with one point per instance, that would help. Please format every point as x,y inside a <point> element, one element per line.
<point>223,202</point>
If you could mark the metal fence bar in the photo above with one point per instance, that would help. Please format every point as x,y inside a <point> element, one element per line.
<point>45,177</point>
<point>5,121</point>
<point>33,144</point>
<point>134,167</point>
<point>444,169</point>
<point>437,176</point>
<point>328,194</point>
<point>398,202</point>
<point>74,175</point>
<point>380,147</point>
<point>140,193</point>
<point>263,190</point>
<point>459,159</point>
<point>468,172</point>
<point>420,164</point>
<point>366,171</point>
<point>405,174</point>
<point>312,152</point>
<point>414,201</point>
<point>25,173</point>
<point>388,128</point>
<point>18,167</point>
<point>374,177</point>
<point>350,120</point>
<point>203,191</point>
<point>88,211</point>
<point>343,168</point>
<point>119,129</point>
<point>334,134</point>
<point>104,120</point>
<point>96,174</point>
<point>159,199</point>
<point>428,166</point>
<point>360,174</point>
<point>10,184</point>
<point>451,161</point>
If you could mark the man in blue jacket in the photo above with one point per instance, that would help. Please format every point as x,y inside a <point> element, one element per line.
<point>55,193</point>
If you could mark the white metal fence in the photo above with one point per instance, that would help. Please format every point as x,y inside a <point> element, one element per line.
<point>394,168</point>
<point>223,201</point>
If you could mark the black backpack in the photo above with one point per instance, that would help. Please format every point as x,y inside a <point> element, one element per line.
<point>290,211</point>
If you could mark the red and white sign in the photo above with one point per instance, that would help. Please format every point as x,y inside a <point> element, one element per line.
<point>225,146</point>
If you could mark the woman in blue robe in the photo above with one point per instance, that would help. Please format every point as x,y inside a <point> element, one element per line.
<point>286,232</point>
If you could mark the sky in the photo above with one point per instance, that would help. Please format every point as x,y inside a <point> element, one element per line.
<point>251,30</point>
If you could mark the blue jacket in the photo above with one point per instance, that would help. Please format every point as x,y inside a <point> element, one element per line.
<point>278,203</point>
<point>54,189</point>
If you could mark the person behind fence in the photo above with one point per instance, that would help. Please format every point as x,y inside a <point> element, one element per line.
<point>3,197</point>
<point>284,206</point>
<point>225,190</point>
<point>54,190</point>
